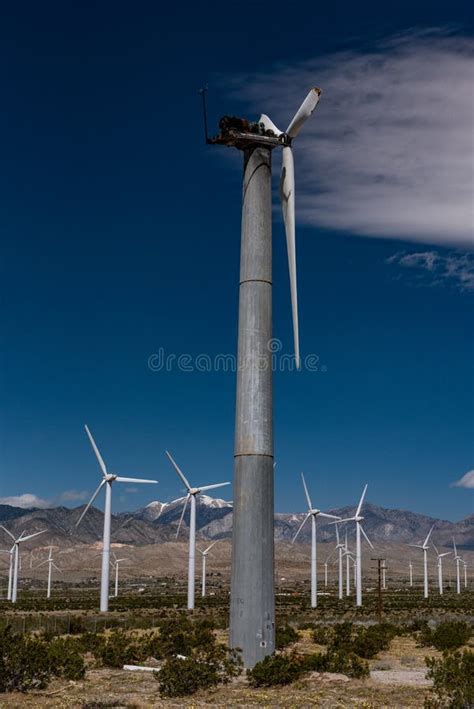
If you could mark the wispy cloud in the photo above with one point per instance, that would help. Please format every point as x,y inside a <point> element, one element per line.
<point>451,268</point>
<point>467,481</point>
<point>29,499</point>
<point>389,151</point>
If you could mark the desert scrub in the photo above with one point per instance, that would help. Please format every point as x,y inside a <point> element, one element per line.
<point>368,642</point>
<point>276,670</point>
<point>453,680</point>
<point>284,636</point>
<point>447,636</point>
<point>206,667</point>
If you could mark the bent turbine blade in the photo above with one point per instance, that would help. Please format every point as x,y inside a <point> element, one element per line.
<point>102,482</point>
<point>96,451</point>
<point>178,470</point>
<point>304,112</point>
<point>269,125</point>
<point>287,195</point>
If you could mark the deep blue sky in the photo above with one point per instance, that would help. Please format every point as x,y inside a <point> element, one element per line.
<point>120,235</point>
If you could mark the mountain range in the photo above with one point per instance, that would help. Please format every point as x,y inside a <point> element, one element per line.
<point>158,522</point>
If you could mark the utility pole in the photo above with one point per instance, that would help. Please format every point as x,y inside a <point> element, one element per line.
<point>380,567</point>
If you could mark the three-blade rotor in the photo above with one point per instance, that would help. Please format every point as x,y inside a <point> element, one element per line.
<point>107,477</point>
<point>312,511</point>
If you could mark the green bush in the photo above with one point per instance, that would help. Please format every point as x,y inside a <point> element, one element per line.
<point>24,663</point>
<point>448,636</point>
<point>65,660</point>
<point>284,636</point>
<point>178,677</point>
<point>120,649</point>
<point>372,640</point>
<point>453,680</point>
<point>276,669</point>
<point>322,634</point>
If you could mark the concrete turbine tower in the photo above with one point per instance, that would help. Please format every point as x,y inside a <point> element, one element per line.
<point>252,603</point>
<point>312,513</point>
<point>192,493</point>
<point>107,480</point>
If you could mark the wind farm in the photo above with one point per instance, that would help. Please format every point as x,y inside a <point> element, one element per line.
<point>257,292</point>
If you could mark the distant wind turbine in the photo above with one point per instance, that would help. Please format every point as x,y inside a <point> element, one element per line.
<point>349,558</point>
<point>425,547</point>
<point>340,550</point>
<point>440,568</point>
<point>465,573</point>
<point>204,558</point>
<point>357,518</point>
<point>192,493</point>
<point>51,564</point>
<point>16,556</point>
<point>10,552</point>
<point>410,572</point>
<point>313,512</point>
<point>458,560</point>
<point>107,481</point>
<point>115,566</point>
<point>384,575</point>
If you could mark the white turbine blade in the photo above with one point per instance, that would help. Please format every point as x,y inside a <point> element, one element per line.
<point>210,546</point>
<point>182,514</point>
<point>310,505</point>
<point>417,546</point>
<point>446,553</point>
<point>57,567</point>
<point>366,537</point>
<point>428,536</point>
<point>361,502</point>
<point>102,482</point>
<point>46,561</point>
<point>211,487</point>
<point>304,112</point>
<point>436,551</point>
<point>96,451</point>
<point>30,536</point>
<point>325,514</point>
<point>179,471</point>
<point>134,480</point>
<point>301,526</point>
<point>346,519</point>
<point>330,555</point>
<point>454,545</point>
<point>6,530</point>
<point>287,195</point>
<point>269,125</point>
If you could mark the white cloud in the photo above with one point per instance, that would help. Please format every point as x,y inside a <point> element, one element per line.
<point>25,501</point>
<point>467,480</point>
<point>389,151</point>
<point>28,499</point>
<point>451,268</point>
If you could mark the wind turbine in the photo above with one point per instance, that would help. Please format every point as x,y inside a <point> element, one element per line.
<point>384,575</point>
<point>312,513</point>
<point>349,558</point>
<point>115,566</point>
<point>357,518</point>
<point>192,492</point>
<point>204,558</point>
<point>50,562</point>
<point>425,547</point>
<point>465,573</point>
<point>16,557</point>
<point>10,570</point>
<point>252,612</point>
<point>107,480</point>
<point>410,572</point>
<point>457,559</point>
<point>340,550</point>
<point>440,568</point>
